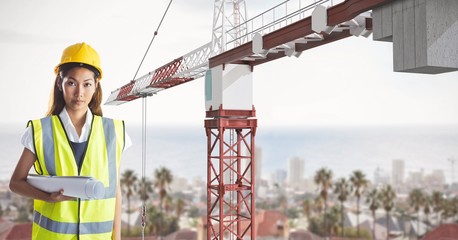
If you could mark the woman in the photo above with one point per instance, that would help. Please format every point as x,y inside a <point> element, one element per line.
<point>74,140</point>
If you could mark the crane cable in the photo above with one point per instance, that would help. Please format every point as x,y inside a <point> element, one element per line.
<point>144,114</point>
<point>143,179</point>
<point>152,40</point>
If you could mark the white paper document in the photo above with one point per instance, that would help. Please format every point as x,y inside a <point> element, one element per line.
<point>74,186</point>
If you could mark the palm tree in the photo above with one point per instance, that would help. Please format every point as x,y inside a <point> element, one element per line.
<point>179,207</point>
<point>283,203</point>
<point>416,201</point>
<point>387,196</point>
<point>323,178</point>
<point>162,178</point>
<point>450,209</point>
<point>454,208</point>
<point>168,203</point>
<point>427,208</point>
<point>446,209</point>
<point>154,217</point>
<point>307,208</point>
<point>333,216</point>
<point>373,199</point>
<point>437,201</point>
<point>318,204</point>
<point>144,188</point>
<point>342,188</point>
<point>128,186</point>
<point>360,183</point>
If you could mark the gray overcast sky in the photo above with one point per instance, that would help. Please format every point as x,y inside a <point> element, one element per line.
<point>350,82</point>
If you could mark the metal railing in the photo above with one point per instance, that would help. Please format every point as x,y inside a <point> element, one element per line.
<point>195,63</point>
<point>275,18</point>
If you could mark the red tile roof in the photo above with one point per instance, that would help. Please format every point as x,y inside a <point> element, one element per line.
<point>139,238</point>
<point>269,222</point>
<point>5,228</point>
<point>20,231</point>
<point>183,234</point>
<point>302,234</point>
<point>443,232</point>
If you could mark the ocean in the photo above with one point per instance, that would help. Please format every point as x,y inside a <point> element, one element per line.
<point>341,149</point>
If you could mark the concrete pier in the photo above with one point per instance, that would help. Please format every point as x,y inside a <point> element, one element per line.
<point>424,34</point>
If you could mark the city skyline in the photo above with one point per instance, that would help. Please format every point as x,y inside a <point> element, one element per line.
<point>357,149</point>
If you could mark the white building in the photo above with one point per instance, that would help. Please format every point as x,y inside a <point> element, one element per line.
<point>397,172</point>
<point>296,171</point>
<point>277,177</point>
<point>381,177</point>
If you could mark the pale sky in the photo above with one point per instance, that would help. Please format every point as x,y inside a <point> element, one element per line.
<point>350,82</point>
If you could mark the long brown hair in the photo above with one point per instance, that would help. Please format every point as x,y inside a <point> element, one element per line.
<point>57,102</point>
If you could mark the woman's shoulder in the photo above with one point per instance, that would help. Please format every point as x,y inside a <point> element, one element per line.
<point>103,118</point>
<point>41,120</point>
<point>108,119</point>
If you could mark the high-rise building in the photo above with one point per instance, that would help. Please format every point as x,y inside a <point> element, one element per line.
<point>381,177</point>
<point>416,178</point>
<point>278,177</point>
<point>397,172</point>
<point>435,180</point>
<point>257,168</point>
<point>296,168</point>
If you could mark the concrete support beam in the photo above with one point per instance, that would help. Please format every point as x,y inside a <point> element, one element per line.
<point>382,22</point>
<point>424,34</point>
<point>229,87</point>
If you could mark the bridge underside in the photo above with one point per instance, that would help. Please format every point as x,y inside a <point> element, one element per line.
<point>423,33</point>
<point>299,32</point>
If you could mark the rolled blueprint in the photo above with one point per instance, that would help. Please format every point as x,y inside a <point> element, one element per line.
<point>73,186</point>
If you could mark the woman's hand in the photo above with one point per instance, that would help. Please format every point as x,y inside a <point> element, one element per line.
<point>59,197</point>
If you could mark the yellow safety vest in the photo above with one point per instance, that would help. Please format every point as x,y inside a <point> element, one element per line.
<point>77,219</point>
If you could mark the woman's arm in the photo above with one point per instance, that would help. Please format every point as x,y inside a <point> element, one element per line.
<point>19,184</point>
<point>118,212</point>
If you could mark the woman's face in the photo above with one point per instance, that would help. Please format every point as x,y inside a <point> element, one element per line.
<point>78,87</point>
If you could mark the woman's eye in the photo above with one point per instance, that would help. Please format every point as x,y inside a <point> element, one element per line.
<point>71,84</point>
<point>88,84</point>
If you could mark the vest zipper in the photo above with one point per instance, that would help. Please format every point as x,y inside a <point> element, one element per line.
<point>79,212</point>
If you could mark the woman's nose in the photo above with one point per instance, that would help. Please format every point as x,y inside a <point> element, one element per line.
<point>79,91</point>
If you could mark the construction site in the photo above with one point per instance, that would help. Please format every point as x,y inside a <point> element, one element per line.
<point>233,201</point>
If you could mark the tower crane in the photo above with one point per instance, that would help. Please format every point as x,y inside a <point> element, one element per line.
<point>227,62</point>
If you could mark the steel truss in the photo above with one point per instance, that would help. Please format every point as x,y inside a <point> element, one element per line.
<point>230,174</point>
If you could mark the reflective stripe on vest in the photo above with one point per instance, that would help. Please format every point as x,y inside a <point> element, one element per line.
<point>48,148</point>
<point>72,228</point>
<point>101,160</point>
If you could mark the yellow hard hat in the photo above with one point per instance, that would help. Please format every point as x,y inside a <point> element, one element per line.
<point>80,53</point>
